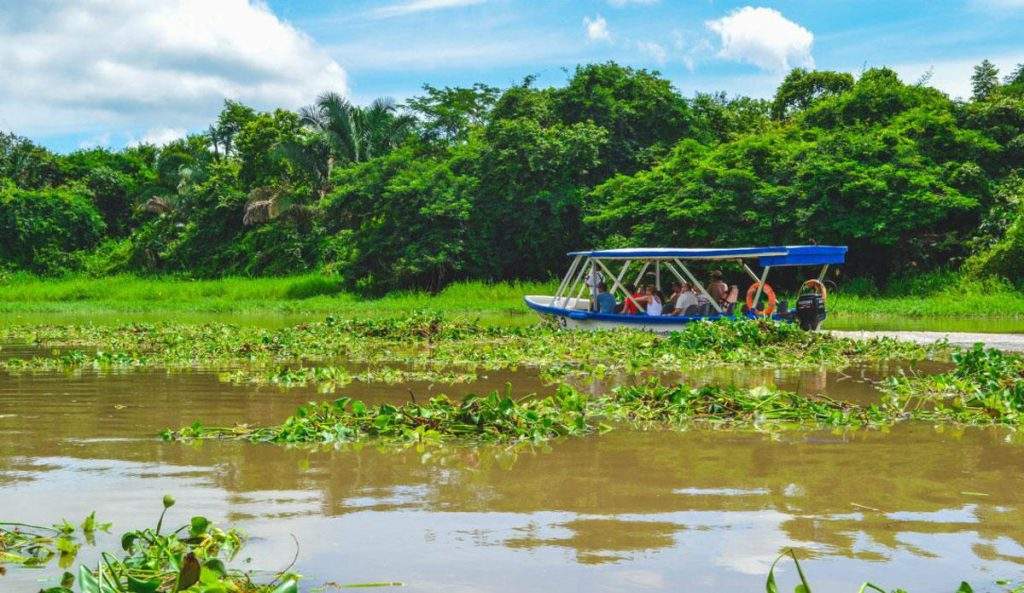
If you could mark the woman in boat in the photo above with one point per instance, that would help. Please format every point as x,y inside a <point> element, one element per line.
<point>636,302</point>
<point>652,301</point>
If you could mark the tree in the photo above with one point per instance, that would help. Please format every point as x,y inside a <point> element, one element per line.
<point>28,165</point>
<point>448,114</point>
<point>641,112</point>
<point>984,80</point>
<point>801,88</point>
<point>41,230</point>
<point>233,117</point>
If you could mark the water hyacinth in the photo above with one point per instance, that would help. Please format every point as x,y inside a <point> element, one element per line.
<point>499,418</point>
<point>193,557</point>
<point>985,387</point>
<point>495,418</point>
<point>422,341</point>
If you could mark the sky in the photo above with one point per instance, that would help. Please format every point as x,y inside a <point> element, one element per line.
<point>82,73</point>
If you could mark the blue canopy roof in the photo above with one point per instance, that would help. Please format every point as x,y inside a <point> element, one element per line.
<point>791,255</point>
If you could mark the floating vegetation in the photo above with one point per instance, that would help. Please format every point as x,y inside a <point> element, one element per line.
<point>190,558</point>
<point>499,418</point>
<point>330,378</point>
<point>494,418</point>
<point>34,545</point>
<point>803,586</point>
<point>425,341</point>
<point>985,387</point>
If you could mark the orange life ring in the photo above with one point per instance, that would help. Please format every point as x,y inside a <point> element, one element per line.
<point>817,286</point>
<point>768,292</point>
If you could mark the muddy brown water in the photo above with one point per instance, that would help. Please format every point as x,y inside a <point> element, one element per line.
<point>625,511</point>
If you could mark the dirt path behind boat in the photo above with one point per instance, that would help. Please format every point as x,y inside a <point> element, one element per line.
<point>1007,342</point>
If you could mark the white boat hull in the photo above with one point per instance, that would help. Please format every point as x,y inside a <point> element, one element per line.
<point>573,313</point>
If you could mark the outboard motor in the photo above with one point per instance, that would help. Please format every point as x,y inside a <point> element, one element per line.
<point>810,311</point>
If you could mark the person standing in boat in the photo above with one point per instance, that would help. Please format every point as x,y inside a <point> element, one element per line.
<point>594,280</point>
<point>718,290</point>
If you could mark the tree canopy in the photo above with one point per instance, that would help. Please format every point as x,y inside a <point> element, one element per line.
<point>487,183</point>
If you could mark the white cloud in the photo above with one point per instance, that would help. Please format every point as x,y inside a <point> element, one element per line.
<point>691,48</point>
<point>597,28</point>
<point>414,6</point>
<point>129,64</point>
<point>655,50</point>
<point>764,38</point>
<point>161,136</point>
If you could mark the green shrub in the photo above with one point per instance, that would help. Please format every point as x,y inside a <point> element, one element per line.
<point>41,230</point>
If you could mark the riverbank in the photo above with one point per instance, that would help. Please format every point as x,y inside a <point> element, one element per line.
<point>276,302</point>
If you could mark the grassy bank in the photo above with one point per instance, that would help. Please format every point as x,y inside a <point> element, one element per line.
<point>283,301</point>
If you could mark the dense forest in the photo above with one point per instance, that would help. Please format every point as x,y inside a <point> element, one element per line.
<point>496,184</point>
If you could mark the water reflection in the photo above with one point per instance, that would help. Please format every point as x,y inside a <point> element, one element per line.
<point>622,511</point>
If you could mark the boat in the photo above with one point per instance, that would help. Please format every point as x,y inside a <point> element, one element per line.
<point>572,306</point>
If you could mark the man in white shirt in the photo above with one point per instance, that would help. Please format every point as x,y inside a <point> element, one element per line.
<point>685,299</point>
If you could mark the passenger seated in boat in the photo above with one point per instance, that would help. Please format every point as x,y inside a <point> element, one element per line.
<point>684,299</point>
<point>717,288</point>
<point>632,305</point>
<point>653,301</point>
<point>604,300</point>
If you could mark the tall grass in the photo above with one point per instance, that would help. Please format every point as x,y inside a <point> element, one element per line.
<point>939,301</point>
<point>34,299</point>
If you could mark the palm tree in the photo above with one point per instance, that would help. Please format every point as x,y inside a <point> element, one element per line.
<point>338,131</point>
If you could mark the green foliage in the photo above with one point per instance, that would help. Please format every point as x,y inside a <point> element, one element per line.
<point>879,167</point>
<point>495,184</point>
<point>448,114</point>
<point>801,88</point>
<point>192,558</point>
<point>28,166</point>
<point>40,230</point>
<point>984,80</point>
<point>986,386</point>
<point>641,112</point>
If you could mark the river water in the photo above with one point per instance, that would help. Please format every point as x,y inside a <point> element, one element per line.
<point>625,511</point>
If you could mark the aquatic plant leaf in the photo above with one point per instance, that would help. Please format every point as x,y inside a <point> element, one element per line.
<point>288,586</point>
<point>198,525</point>
<point>139,586</point>
<point>189,574</point>
<point>87,582</point>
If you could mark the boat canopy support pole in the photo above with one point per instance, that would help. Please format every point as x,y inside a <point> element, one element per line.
<point>821,276</point>
<point>565,281</point>
<point>643,271</point>
<point>657,275</point>
<point>695,282</point>
<point>579,276</point>
<point>760,286</point>
<point>616,280</point>
<point>581,281</point>
<point>750,272</point>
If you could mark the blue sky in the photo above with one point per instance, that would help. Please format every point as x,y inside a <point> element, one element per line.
<point>114,72</point>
